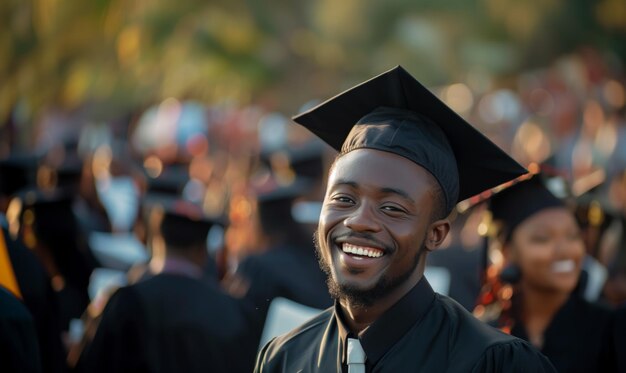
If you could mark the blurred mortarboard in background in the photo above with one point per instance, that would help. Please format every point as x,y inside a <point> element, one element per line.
<point>44,215</point>
<point>511,206</point>
<point>270,190</point>
<point>51,210</point>
<point>17,172</point>
<point>183,223</point>
<point>171,181</point>
<point>275,201</point>
<point>393,112</point>
<point>64,172</point>
<point>69,172</point>
<point>276,204</point>
<point>305,160</point>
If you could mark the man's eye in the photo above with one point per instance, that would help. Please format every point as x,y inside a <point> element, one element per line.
<point>343,199</point>
<point>392,209</point>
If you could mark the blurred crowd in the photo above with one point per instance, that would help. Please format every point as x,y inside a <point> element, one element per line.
<point>204,215</point>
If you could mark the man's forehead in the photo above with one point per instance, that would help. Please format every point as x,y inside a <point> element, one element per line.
<point>378,168</point>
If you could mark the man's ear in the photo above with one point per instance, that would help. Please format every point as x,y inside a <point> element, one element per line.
<point>437,233</point>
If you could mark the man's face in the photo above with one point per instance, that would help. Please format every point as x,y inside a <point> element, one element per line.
<point>376,214</point>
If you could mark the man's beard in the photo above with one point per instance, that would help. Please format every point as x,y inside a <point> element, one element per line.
<point>358,297</point>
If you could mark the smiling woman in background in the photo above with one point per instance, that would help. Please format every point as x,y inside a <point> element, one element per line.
<point>543,252</point>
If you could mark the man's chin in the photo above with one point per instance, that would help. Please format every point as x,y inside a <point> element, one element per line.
<point>357,294</point>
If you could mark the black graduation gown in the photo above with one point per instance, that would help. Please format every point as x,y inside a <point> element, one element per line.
<point>169,323</point>
<point>578,339</point>
<point>288,272</point>
<point>41,301</point>
<point>19,351</point>
<point>619,338</point>
<point>423,332</point>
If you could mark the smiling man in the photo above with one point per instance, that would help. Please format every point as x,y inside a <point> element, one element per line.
<point>405,160</point>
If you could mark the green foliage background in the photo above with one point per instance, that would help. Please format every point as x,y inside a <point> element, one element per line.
<point>118,55</point>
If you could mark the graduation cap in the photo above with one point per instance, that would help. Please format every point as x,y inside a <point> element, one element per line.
<point>50,211</point>
<point>47,217</point>
<point>70,172</point>
<point>511,206</point>
<point>184,224</point>
<point>305,160</point>
<point>17,172</point>
<point>393,112</point>
<point>275,202</point>
<point>66,174</point>
<point>171,181</point>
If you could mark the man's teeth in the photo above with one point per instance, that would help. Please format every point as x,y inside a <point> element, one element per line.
<point>563,266</point>
<point>363,251</point>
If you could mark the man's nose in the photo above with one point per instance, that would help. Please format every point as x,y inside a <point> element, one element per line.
<point>362,219</point>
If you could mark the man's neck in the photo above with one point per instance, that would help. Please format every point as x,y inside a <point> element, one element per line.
<point>358,317</point>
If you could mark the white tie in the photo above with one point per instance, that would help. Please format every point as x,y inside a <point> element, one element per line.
<point>356,356</point>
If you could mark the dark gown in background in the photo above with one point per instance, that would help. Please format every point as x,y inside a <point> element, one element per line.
<point>285,271</point>
<point>169,323</point>
<point>423,332</point>
<point>578,338</point>
<point>41,301</point>
<point>19,351</point>
<point>619,339</point>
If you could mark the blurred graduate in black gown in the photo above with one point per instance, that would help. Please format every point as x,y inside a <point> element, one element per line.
<point>47,225</point>
<point>538,300</point>
<point>177,320</point>
<point>287,266</point>
<point>19,351</point>
<point>32,280</point>
<point>619,338</point>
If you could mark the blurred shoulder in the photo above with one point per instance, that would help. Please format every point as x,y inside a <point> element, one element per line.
<point>299,339</point>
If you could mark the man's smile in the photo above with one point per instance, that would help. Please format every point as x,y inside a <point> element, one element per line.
<point>358,256</point>
<point>359,252</point>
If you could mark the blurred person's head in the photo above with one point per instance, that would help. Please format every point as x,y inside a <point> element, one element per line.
<point>540,236</point>
<point>274,207</point>
<point>180,229</point>
<point>16,173</point>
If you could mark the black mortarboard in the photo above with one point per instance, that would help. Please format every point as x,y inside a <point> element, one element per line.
<point>51,219</point>
<point>275,204</point>
<point>52,211</point>
<point>171,181</point>
<point>184,224</point>
<point>306,159</point>
<point>275,201</point>
<point>270,190</point>
<point>69,172</point>
<point>393,112</point>
<point>513,205</point>
<point>17,172</point>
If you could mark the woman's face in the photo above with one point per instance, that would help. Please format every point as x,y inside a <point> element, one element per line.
<point>549,250</point>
